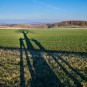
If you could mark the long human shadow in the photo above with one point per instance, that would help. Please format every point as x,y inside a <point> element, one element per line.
<point>38,78</point>
<point>62,67</point>
<point>42,75</point>
<point>22,78</point>
<point>27,40</point>
<point>22,47</point>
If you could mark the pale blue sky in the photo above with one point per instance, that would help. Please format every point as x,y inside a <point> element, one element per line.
<point>43,10</point>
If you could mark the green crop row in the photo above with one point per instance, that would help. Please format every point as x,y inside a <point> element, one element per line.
<point>60,39</point>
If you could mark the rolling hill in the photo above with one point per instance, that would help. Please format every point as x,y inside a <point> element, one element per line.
<point>49,25</point>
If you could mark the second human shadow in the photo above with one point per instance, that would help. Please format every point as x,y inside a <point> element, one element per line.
<point>41,73</point>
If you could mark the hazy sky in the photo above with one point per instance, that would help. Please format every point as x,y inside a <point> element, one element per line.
<point>43,10</point>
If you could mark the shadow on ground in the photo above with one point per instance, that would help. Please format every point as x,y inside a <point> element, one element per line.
<point>42,73</point>
<point>47,68</point>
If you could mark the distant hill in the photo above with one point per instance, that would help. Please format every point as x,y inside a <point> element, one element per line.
<point>23,26</point>
<point>69,24</point>
<point>52,25</point>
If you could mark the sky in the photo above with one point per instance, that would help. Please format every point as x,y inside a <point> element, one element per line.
<point>42,10</point>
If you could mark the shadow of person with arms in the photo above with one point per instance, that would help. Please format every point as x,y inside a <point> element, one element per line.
<point>43,74</point>
<point>27,40</point>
